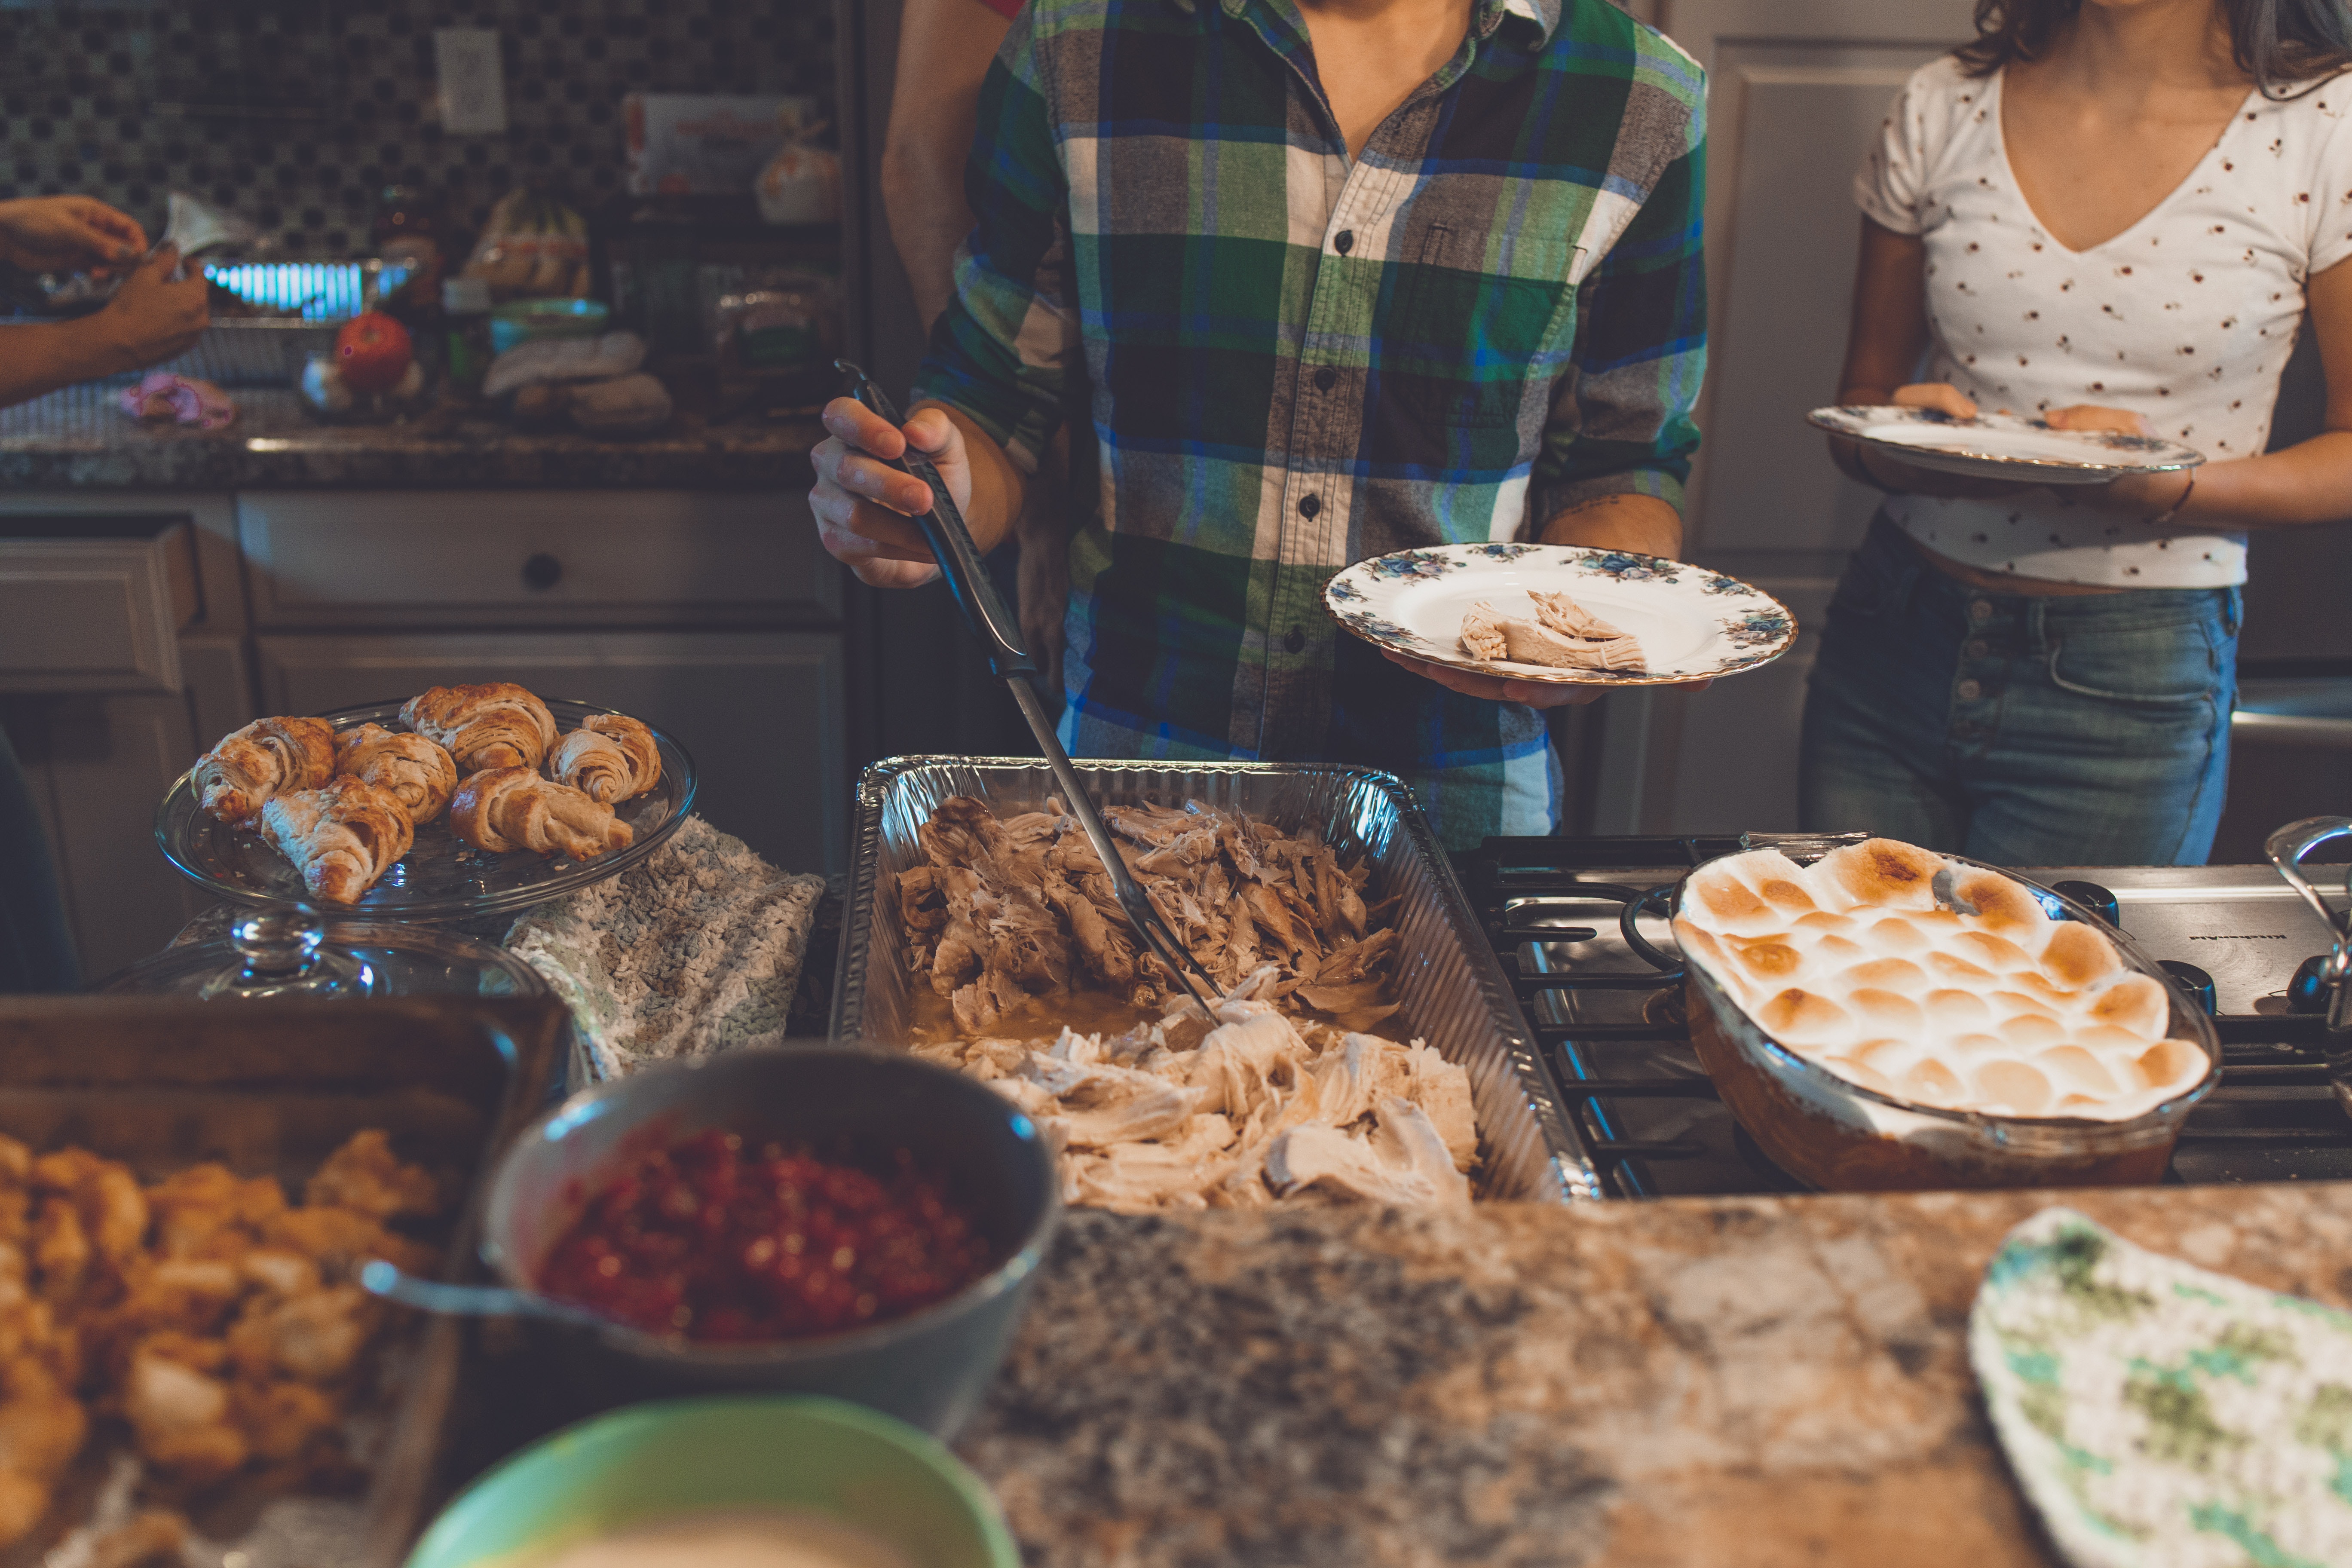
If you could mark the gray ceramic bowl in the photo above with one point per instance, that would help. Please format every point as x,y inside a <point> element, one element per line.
<point>928,1368</point>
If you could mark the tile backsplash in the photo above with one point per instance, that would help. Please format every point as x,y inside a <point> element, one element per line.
<point>297,113</point>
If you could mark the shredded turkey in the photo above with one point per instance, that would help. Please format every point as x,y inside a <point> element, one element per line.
<point>1563,635</point>
<point>1008,920</point>
<point>1261,1109</point>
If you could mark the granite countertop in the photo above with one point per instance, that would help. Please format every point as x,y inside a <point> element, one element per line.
<point>77,438</point>
<point>1760,1381</point>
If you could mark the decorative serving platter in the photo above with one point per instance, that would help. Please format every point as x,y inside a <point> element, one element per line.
<point>440,878</point>
<point>1693,623</point>
<point>2005,446</point>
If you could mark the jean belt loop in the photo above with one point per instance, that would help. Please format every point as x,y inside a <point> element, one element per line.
<point>2233,607</point>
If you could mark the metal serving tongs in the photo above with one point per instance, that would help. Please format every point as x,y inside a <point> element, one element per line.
<point>2287,849</point>
<point>1008,658</point>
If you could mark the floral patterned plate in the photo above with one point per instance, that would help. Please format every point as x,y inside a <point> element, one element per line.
<point>2004,446</point>
<point>1693,623</point>
<point>2159,1416</point>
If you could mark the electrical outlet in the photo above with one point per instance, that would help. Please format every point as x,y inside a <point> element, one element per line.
<point>473,80</point>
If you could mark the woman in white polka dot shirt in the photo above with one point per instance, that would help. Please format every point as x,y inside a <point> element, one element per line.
<point>2116,215</point>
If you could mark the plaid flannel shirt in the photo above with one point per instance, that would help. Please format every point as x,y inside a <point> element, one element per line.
<point>1292,360</point>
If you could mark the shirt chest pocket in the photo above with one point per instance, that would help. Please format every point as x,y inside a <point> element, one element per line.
<point>1478,318</point>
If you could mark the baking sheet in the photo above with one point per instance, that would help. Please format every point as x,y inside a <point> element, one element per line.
<point>1450,989</point>
<point>272,1088</point>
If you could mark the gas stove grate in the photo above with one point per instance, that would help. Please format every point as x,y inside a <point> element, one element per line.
<point>1611,1027</point>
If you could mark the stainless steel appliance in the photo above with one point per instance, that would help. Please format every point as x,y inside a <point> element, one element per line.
<point>1579,927</point>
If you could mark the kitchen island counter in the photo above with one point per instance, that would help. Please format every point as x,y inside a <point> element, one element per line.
<point>1763,1382</point>
<point>79,439</point>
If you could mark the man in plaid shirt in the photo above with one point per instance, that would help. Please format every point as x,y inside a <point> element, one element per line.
<point>1341,277</point>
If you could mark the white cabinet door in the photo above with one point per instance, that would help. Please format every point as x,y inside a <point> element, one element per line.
<point>1797,90</point>
<point>98,767</point>
<point>760,712</point>
<point>336,559</point>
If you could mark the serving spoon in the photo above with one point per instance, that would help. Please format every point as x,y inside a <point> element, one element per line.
<point>1008,658</point>
<point>379,1278</point>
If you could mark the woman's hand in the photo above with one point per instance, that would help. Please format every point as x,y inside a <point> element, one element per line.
<point>2091,416</point>
<point>68,234</point>
<point>1881,471</point>
<point>862,505</point>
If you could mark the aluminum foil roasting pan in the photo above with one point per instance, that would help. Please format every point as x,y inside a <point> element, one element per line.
<point>1452,991</point>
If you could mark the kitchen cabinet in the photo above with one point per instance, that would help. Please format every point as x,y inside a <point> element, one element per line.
<point>120,617</point>
<point>760,712</point>
<point>1797,90</point>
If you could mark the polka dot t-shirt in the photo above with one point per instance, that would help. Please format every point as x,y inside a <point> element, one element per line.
<point>2185,317</point>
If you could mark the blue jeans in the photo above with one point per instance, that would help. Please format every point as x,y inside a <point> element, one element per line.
<point>2022,730</point>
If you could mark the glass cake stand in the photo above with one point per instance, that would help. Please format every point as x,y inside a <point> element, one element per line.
<point>441,880</point>
<point>267,954</point>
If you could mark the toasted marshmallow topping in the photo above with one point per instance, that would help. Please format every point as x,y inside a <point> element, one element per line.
<point>1853,963</point>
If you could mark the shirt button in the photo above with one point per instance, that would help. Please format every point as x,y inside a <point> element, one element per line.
<point>1309,505</point>
<point>1979,611</point>
<point>1325,379</point>
<point>1344,241</point>
<point>1976,649</point>
<point>1296,641</point>
<point>1969,690</point>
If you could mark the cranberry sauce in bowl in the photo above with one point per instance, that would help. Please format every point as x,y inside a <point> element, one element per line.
<point>723,1239</point>
<point>834,1220</point>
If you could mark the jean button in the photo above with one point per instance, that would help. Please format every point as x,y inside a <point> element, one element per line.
<point>1976,649</point>
<point>1980,612</point>
<point>1969,690</point>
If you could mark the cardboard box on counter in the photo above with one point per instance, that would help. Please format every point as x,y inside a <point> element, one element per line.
<point>707,144</point>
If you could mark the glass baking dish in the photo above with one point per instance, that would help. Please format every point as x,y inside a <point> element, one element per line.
<point>1832,1133</point>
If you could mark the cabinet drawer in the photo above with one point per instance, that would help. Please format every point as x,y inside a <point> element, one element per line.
<point>761,713</point>
<point>95,605</point>
<point>332,558</point>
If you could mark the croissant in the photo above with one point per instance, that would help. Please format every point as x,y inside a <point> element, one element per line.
<point>267,757</point>
<point>415,770</point>
<point>500,725</point>
<point>500,809</point>
<point>342,838</point>
<point>611,757</point>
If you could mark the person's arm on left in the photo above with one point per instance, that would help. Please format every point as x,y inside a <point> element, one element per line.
<point>1623,432</point>
<point>2308,482</point>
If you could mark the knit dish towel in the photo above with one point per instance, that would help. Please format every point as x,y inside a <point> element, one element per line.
<point>2160,1415</point>
<point>696,949</point>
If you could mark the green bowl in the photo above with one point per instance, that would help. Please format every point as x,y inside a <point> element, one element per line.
<point>529,320</point>
<point>651,1462</point>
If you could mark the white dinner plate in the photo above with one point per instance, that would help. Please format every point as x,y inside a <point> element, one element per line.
<point>2004,446</point>
<point>1693,623</point>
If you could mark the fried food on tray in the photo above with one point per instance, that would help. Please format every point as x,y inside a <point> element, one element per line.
<point>505,809</point>
<point>496,725</point>
<point>342,838</point>
<point>269,757</point>
<point>417,771</point>
<point>1564,634</point>
<point>208,1313</point>
<point>610,758</point>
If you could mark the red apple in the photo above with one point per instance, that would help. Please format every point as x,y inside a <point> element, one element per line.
<point>373,352</point>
